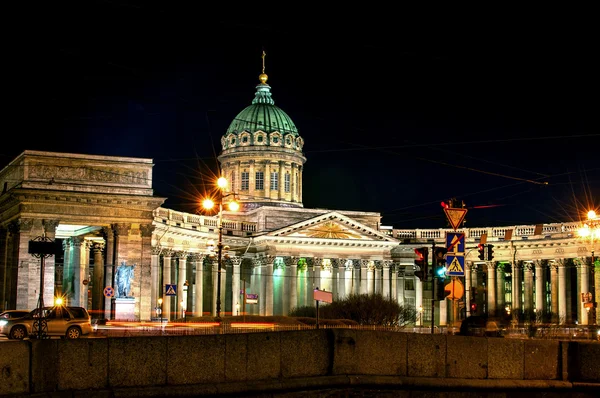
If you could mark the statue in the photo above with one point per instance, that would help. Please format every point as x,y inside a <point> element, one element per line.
<point>123,277</point>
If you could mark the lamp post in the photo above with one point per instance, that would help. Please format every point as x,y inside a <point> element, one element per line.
<point>159,309</point>
<point>591,231</point>
<point>233,206</point>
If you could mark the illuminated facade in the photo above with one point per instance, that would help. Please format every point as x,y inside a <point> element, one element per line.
<point>103,212</point>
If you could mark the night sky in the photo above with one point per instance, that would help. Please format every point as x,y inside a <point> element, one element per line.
<point>398,112</point>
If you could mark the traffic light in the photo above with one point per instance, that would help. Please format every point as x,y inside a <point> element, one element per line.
<point>440,287</point>
<point>490,252</point>
<point>439,262</point>
<point>421,261</point>
<point>473,307</point>
<point>481,250</point>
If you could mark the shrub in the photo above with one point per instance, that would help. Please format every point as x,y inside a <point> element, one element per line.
<point>369,309</point>
<point>305,311</point>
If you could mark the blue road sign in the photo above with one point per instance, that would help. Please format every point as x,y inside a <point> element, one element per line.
<point>455,242</point>
<point>455,265</point>
<point>170,290</point>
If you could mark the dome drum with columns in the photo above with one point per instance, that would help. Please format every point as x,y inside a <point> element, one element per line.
<point>262,154</point>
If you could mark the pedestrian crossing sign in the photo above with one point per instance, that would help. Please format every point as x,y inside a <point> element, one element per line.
<point>170,290</point>
<point>456,265</point>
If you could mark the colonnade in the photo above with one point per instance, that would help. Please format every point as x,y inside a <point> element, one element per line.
<point>538,287</point>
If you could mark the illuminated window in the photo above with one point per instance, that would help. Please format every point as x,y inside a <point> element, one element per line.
<point>245,181</point>
<point>287,182</point>
<point>260,180</point>
<point>274,181</point>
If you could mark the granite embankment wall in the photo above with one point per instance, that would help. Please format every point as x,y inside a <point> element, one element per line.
<point>274,362</point>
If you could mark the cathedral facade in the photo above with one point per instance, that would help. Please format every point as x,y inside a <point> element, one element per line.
<point>100,213</point>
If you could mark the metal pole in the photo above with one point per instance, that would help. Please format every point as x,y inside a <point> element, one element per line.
<point>219,256</point>
<point>433,265</point>
<point>244,299</point>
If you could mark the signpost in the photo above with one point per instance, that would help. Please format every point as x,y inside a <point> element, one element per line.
<point>455,258</point>
<point>321,295</point>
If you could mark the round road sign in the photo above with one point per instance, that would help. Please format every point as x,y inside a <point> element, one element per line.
<point>109,291</point>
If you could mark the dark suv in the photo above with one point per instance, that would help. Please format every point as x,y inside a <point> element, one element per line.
<point>65,322</point>
<point>476,325</point>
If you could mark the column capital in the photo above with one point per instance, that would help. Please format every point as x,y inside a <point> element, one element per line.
<point>364,263</point>
<point>146,230</point>
<point>121,229</point>
<point>528,267</point>
<point>98,246</point>
<point>491,265</point>
<point>50,225</point>
<point>167,252</point>
<point>181,254</point>
<point>386,263</point>
<point>291,261</point>
<point>235,260</point>
<point>156,250</point>
<point>196,256</point>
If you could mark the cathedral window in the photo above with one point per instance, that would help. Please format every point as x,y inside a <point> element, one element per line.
<point>274,181</point>
<point>409,284</point>
<point>275,140</point>
<point>260,180</point>
<point>245,181</point>
<point>259,138</point>
<point>287,182</point>
<point>245,139</point>
<point>232,140</point>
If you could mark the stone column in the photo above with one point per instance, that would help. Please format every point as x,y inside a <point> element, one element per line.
<point>528,294</point>
<point>198,292</point>
<point>317,262</point>
<point>554,290</point>
<point>386,278</point>
<point>282,176</point>
<point>294,177</point>
<point>109,269</point>
<point>401,271</point>
<point>142,281</point>
<point>251,179</point>
<point>500,290</point>
<point>356,268</point>
<point>562,291</point>
<point>377,278</point>
<point>539,288</point>
<point>267,182</point>
<point>584,287</point>
<point>49,263</point>
<point>516,288</point>
<point>364,276</point>
<point>76,296</point>
<point>468,298</point>
<point>181,279</point>
<point>121,242</point>
<point>214,265</point>
<point>292,263</point>
<point>596,274</point>
<point>300,184</point>
<point>156,288</point>
<point>23,264</point>
<point>394,280</point>
<point>98,280</point>
<point>236,305</point>
<point>269,260</point>
<point>335,277</point>
<point>491,288</point>
<point>166,307</point>
<point>419,300</point>
<point>342,278</point>
<point>310,282</point>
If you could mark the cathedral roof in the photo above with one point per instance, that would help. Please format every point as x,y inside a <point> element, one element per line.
<point>262,115</point>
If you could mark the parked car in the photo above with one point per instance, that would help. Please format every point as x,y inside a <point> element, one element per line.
<point>10,314</point>
<point>477,325</point>
<point>65,322</point>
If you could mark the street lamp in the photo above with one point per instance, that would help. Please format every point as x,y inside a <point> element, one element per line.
<point>159,309</point>
<point>591,231</point>
<point>233,206</point>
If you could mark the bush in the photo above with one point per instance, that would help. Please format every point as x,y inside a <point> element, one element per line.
<point>373,309</point>
<point>305,311</point>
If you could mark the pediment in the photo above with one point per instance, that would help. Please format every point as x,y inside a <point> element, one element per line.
<point>333,226</point>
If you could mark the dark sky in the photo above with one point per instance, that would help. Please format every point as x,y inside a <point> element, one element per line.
<point>398,111</point>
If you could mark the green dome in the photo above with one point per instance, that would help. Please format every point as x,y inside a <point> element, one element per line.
<point>262,115</point>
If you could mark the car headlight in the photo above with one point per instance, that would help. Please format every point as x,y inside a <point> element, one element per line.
<point>3,322</point>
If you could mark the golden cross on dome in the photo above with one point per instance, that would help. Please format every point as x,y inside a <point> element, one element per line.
<point>264,54</point>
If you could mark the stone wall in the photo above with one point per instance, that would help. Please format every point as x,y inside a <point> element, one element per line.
<point>309,360</point>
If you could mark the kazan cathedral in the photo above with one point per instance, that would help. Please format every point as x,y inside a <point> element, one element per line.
<point>101,215</point>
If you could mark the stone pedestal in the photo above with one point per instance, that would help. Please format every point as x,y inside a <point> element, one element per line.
<point>124,308</point>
